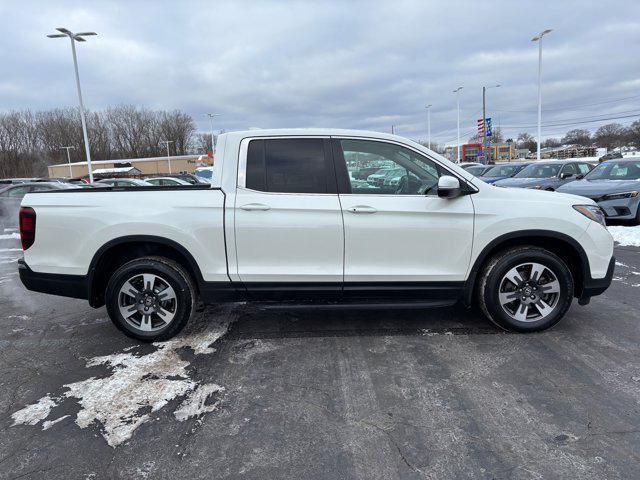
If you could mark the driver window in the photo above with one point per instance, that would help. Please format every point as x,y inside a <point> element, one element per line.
<point>378,168</point>
<point>569,168</point>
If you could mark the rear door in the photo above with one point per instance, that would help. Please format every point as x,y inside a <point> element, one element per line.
<point>401,231</point>
<point>288,221</point>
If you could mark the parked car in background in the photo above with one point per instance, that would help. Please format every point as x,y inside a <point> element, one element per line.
<point>12,195</point>
<point>501,171</point>
<point>166,181</point>
<point>188,177</point>
<point>11,181</point>
<point>284,224</point>
<point>204,173</point>
<point>123,182</point>
<point>610,156</point>
<point>615,186</point>
<point>376,177</point>
<point>363,173</point>
<point>478,170</point>
<point>547,175</point>
<point>466,165</point>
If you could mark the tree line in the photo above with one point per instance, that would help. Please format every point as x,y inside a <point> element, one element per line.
<point>611,135</point>
<point>30,141</point>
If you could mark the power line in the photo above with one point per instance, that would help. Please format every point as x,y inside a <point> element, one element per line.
<point>573,123</point>
<point>553,109</point>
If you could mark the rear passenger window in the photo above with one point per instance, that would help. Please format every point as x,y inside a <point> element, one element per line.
<point>584,168</point>
<point>287,166</point>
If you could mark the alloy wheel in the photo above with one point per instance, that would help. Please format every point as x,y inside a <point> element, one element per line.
<point>147,302</point>
<point>529,292</point>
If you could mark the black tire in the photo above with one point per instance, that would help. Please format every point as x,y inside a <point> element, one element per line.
<point>170,272</point>
<point>493,275</point>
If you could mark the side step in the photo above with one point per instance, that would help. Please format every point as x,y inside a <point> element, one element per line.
<point>355,305</point>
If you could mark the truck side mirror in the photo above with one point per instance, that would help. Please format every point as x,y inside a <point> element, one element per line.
<point>448,187</point>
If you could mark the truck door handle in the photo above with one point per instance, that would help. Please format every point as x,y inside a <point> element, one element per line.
<point>255,206</point>
<point>362,209</point>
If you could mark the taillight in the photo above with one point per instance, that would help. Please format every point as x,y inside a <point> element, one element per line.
<point>27,226</point>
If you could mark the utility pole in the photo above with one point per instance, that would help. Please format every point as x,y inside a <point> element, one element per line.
<point>78,37</point>
<point>428,107</point>
<point>538,38</point>
<point>486,148</point>
<point>393,130</point>
<point>457,92</point>
<point>69,159</point>
<point>211,115</point>
<point>167,142</point>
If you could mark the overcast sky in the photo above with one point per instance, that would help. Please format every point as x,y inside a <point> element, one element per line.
<point>351,64</point>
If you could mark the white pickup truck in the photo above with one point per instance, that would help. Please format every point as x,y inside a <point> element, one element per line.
<point>287,219</point>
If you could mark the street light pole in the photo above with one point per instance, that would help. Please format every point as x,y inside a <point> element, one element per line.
<point>78,37</point>
<point>457,92</point>
<point>538,38</point>
<point>69,160</point>
<point>167,142</point>
<point>211,115</point>
<point>428,107</point>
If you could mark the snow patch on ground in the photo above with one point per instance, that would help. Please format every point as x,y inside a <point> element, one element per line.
<point>137,386</point>
<point>10,235</point>
<point>626,236</point>
<point>34,413</point>
<point>50,423</point>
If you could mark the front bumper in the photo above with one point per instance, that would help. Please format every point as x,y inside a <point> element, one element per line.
<point>620,209</point>
<point>74,286</point>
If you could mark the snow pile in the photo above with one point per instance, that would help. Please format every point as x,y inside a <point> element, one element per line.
<point>626,236</point>
<point>137,384</point>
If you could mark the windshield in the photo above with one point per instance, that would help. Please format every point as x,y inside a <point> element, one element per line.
<point>476,170</point>
<point>204,173</point>
<point>540,170</point>
<point>616,171</point>
<point>500,171</point>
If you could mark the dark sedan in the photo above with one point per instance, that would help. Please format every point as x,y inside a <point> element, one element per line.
<point>502,171</point>
<point>478,170</point>
<point>11,196</point>
<point>547,175</point>
<point>615,186</point>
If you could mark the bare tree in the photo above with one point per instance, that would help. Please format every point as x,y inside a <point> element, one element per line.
<point>577,136</point>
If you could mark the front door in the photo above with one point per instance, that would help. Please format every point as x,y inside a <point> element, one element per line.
<point>288,222</point>
<point>397,229</point>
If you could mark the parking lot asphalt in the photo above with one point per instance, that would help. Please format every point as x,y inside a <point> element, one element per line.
<point>291,394</point>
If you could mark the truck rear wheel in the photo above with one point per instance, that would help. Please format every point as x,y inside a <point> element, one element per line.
<point>150,298</point>
<point>525,289</point>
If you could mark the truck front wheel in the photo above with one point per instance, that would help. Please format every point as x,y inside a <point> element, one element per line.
<point>525,289</point>
<point>150,298</point>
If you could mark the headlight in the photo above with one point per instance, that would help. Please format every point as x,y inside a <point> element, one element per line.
<point>592,212</point>
<point>614,196</point>
<point>536,187</point>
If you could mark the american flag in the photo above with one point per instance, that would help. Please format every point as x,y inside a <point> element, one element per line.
<point>480,127</point>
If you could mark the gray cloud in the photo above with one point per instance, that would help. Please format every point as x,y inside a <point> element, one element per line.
<point>349,64</point>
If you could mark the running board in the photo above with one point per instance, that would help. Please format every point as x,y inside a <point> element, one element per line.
<point>354,305</point>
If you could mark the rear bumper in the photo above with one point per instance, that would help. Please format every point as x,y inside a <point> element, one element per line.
<point>74,286</point>
<point>597,286</point>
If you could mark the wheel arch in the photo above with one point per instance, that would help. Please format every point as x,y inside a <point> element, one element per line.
<point>562,245</point>
<point>120,250</point>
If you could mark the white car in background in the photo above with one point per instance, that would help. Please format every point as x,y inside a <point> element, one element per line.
<point>166,181</point>
<point>122,182</point>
